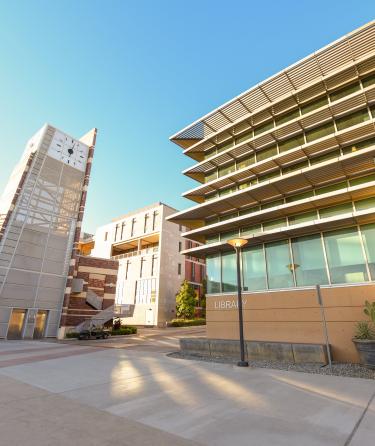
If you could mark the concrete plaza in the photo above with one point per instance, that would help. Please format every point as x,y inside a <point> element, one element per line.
<point>127,391</point>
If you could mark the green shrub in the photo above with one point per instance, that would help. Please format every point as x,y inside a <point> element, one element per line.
<point>186,322</point>
<point>363,330</point>
<point>370,310</point>
<point>71,335</point>
<point>124,330</point>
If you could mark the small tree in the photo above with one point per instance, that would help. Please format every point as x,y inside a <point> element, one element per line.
<point>185,300</point>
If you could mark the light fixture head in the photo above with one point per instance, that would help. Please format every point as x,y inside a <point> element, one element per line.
<point>237,242</point>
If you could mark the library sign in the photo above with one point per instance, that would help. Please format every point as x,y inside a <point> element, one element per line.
<point>228,304</point>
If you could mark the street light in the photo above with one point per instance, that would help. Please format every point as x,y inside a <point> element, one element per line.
<point>237,244</point>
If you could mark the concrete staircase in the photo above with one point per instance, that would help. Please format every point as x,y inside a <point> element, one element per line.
<point>105,315</point>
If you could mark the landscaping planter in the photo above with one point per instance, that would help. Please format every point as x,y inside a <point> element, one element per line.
<point>366,351</point>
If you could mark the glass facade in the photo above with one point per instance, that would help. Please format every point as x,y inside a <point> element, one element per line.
<point>333,257</point>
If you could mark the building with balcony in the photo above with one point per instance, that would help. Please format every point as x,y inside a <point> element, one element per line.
<point>151,266</point>
<point>289,165</point>
<point>41,213</point>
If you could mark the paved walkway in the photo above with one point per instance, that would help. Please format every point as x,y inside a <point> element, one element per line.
<point>135,395</point>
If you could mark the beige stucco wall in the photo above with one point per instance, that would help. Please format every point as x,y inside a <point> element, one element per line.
<point>293,316</point>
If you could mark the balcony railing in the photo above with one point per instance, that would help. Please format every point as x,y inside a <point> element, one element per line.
<point>141,252</point>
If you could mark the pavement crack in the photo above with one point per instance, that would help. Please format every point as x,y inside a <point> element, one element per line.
<point>355,428</point>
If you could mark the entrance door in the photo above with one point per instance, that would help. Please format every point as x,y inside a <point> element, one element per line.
<point>40,324</point>
<point>16,324</point>
<point>150,316</point>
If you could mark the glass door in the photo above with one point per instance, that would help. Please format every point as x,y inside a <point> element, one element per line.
<point>16,324</point>
<point>40,324</point>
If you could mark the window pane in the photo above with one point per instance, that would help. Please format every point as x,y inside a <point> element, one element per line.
<point>263,128</point>
<point>367,81</point>
<point>210,176</point>
<point>228,216</point>
<point>225,146</point>
<point>362,180</point>
<point>272,204</point>
<point>212,239</point>
<point>209,153</point>
<point>269,176</point>
<point>249,210</point>
<point>345,91</point>
<point>278,263</point>
<point>279,223</point>
<point>345,256</point>
<point>229,271</point>
<point>367,203</point>
<point>308,255</point>
<point>352,119</point>
<point>368,234</point>
<point>326,157</point>
<point>291,143</point>
<point>302,218</point>
<point>287,117</point>
<point>331,188</point>
<point>227,169</point>
<point>254,269</point>
<point>295,167</point>
<point>244,137</point>
<point>225,236</point>
<point>319,132</point>
<point>300,196</point>
<point>358,146</point>
<point>314,105</point>
<point>213,273</point>
<point>266,153</point>
<point>249,230</point>
<point>246,161</point>
<point>336,210</point>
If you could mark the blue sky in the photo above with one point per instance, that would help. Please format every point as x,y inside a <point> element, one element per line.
<point>141,70</point>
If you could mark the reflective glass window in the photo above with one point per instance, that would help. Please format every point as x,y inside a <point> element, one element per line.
<point>352,119</point>
<point>225,236</point>
<point>320,132</point>
<point>345,91</point>
<point>367,203</point>
<point>300,196</point>
<point>249,230</point>
<point>213,273</point>
<point>210,176</point>
<point>358,146</point>
<point>302,218</point>
<point>369,80</point>
<point>307,108</point>
<point>269,225</point>
<point>327,156</point>
<point>278,265</point>
<point>287,117</point>
<point>309,264</point>
<point>272,204</point>
<point>212,238</point>
<point>229,168</point>
<point>332,211</point>
<point>249,210</point>
<point>345,256</point>
<point>254,269</point>
<point>362,180</point>
<point>266,153</point>
<point>263,128</point>
<point>331,188</point>
<point>368,235</point>
<point>291,143</point>
<point>244,137</point>
<point>229,271</point>
<point>295,167</point>
<point>244,162</point>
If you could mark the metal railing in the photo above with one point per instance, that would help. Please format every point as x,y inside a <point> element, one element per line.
<point>135,253</point>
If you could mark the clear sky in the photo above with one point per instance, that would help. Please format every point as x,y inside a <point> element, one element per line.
<point>141,70</point>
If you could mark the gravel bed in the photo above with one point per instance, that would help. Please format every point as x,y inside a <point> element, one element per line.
<point>338,369</point>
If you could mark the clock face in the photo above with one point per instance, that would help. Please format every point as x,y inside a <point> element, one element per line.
<point>68,150</point>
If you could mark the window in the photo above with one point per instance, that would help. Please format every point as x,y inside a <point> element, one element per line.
<point>263,128</point>
<point>141,268</point>
<point>266,153</point>
<point>155,220</point>
<point>105,236</point>
<point>225,146</point>
<point>180,228</point>
<point>330,188</point>
<point>362,180</point>
<point>352,119</point>
<point>344,91</point>
<point>179,246</point>
<point>272,204</point>
<point>345,256</point>
<point>122,230</point>
<point>132,229</point>
<point>301,196</point>
<point>212,238</point>
<point>116,231</point>
<point>145,223</point>
<point>291,143</point>
<point>368,235</point>
<point>227,191</point>
<point>325,157</point>
<point>210,176</point>
<point>244,137</point>
<point>358,146</point>
<point>228,216</point>
<point>127,269</point>
<point>229,271</point>
<point>302,218</point>
<point>367,203</point>
<point>229,168</point>
<point>269,225</point>
<point>307,108</point>
<point>320,132</point>
<point>179,269</point>
<point>294,167</point>
<point>193,271</point>
<point>254,269</point>
<point>153,264</point>
<point>249,230</point>
<point>213,269</point>
<point>287,117</point>
<point>228,235</point>
<point>278,265</point>
<point>336,210</point>
<point>245,162</point>
<point>369,80</point>
<point>309,264</point>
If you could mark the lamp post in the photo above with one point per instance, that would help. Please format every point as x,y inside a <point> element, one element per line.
<point>237,244</point>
